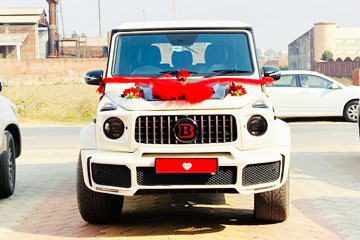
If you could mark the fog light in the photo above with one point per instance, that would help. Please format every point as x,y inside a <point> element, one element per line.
<point>257,125</point>
<point>114,128</point>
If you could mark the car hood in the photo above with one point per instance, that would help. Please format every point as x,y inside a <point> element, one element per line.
<point>222,102</point>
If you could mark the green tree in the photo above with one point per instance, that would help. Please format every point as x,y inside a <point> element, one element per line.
<point>74,35</point>
<point>327,55</point>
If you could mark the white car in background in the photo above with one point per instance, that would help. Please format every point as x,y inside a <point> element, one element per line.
<point>10,146</point>
<point>301,93</point>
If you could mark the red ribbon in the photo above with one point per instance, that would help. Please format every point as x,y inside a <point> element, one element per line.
<point>167,89</point>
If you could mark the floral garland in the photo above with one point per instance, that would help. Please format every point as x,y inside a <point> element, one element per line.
<point>236,89</point>
<point>174,89</point>
<point>133,92</point>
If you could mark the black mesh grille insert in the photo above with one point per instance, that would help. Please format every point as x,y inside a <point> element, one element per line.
<point>111,175</point>
<point>146,176</point>
<point>211,129</point>
<point>260,173</point>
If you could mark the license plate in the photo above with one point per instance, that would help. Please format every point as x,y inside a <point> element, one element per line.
<point>186,165</point>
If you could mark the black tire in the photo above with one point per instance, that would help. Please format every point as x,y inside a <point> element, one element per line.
<point>351,111</point>
<point>273,205</point>
<point>7,165</point>
<point>96,207</point>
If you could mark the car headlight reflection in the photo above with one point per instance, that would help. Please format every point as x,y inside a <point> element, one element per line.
<point>257,125</point>
<point>114,128</point>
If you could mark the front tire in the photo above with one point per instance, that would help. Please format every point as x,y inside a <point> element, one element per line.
<point>351,111</point>
<point>96,207</point>
<point>273,205</point>
<point>7,165</point>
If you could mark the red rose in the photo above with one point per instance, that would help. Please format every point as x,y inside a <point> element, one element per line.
<point>182,75</point>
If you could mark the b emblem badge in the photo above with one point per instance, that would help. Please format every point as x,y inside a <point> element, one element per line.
<point>186,130</point>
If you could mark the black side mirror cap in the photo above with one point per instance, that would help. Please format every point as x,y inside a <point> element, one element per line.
<point>1,85</point>
<point>270,71</point>
<point>94,77</point>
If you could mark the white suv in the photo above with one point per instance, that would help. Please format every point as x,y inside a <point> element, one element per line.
<point>174,117</point>
<point>10,146</point>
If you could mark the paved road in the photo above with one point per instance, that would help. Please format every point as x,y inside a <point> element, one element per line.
<point>325,195</point>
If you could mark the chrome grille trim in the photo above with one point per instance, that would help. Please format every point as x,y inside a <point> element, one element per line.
<point>211,129</point>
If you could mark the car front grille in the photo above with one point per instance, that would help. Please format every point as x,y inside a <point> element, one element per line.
<point>260,173</point>
<point>146,176</point>
<point>211,129</point>
<point>111,175</point>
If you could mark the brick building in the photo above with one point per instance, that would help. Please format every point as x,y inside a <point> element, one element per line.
<point>23,33</point>
<point>306,51</point>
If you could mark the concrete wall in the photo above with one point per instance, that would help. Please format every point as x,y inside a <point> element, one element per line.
<point>300,52</point>
<point>338,68</point>
<point>44,71</point>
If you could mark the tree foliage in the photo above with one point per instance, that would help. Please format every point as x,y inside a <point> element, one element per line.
<point>327,55</point>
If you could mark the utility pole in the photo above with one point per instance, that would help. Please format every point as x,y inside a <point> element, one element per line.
<point>99,18</point>
<point>174,9</point>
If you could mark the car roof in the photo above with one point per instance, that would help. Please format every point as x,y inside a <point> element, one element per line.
<point>198,24</point>
<point>287,72</point>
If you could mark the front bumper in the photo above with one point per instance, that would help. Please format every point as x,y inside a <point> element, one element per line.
<point>245,172</point>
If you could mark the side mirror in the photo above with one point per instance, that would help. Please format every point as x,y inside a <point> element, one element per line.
<point>94,77</point>
<point>335,86</point>
<point>270,71</point>
<point>1,86</point>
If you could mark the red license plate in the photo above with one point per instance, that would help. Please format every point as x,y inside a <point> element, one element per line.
<point>186,165</point>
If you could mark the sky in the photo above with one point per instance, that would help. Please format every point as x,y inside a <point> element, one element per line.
<point>276,23</point>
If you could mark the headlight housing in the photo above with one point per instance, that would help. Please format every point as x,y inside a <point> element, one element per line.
<point>114,128</point>
<point>257,125</point>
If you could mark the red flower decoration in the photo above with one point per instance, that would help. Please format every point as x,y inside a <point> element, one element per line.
<point>182,75</point>
<point>237,90</point>
<point>134,92</point>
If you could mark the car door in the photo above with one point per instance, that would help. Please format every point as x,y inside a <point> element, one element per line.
<point>285,96</point>
<point>317,96</point>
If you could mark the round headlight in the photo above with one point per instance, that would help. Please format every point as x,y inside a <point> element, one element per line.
<point>114,128</point>
<point>257,125</point>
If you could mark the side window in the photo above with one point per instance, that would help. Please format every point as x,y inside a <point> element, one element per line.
<point>285,81</point>
<point>311,81</point>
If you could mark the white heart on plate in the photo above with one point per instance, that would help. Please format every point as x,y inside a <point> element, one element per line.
<point>187,166</point>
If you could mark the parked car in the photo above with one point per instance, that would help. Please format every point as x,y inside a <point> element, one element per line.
<point>148,138</point>
<point>301,93</point>
<point>10,146</point>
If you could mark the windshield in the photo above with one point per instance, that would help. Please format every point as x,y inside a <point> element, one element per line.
<point>201,53</point>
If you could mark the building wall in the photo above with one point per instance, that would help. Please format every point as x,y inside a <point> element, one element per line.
<point>324,39</point>
<point>299,52</point>
<point>39,71</point>
<point>43,42</point>
<point>28,48</point>
<point>347,43</point>
<point>338,68</point>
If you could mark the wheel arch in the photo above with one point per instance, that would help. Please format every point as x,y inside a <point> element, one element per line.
<point>15,132</point>
<point>353,99</point>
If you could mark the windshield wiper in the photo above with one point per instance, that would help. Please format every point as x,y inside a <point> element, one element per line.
<point>227,71</point>
<point>174,72</point>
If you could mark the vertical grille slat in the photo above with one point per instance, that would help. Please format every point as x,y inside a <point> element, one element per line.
<point>139,129</point>
<point>224,128</point>
<point>169,140</point>
<point>202,129</point>
<point>211,129</point>
<point>161,129</point>
<point>217,128</point>
<point>146,130</point>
